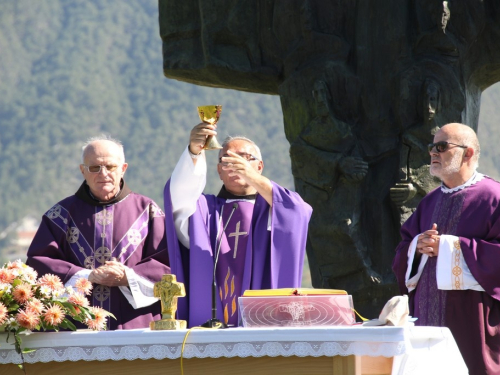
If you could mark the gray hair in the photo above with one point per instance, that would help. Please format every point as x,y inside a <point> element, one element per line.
<point>229,139</point>
<point>103,137</point>
<point>470,139</point>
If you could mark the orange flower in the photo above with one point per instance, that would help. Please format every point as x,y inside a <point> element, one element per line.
<point>51,281</point>
<point>99,322</point>
<point>6,276</point>
<point>35,306</point>
<point>78,299</point>
<point>83,286</point>
<point>54,315</point>
<point>3,313</point>
<point>27,319</point>
<point>22,293</point>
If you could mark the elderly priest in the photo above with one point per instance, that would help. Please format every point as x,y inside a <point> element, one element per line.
<point>108,234</point>
<point>257,228</point>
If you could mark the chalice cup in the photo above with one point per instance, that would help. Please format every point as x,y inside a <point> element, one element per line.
<point>210,114</point>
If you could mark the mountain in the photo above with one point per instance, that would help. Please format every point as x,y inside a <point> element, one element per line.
<point>70,70</point>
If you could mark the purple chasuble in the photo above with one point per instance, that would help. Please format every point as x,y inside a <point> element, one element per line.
<point>81,233</point>
<point>273,259</point>
<point>231,263</point>
<point>473,215</point>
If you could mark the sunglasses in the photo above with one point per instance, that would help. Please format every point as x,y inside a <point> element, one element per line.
<point>97,168</point>
<point>442,146</point>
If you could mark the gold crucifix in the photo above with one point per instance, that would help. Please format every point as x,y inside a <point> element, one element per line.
<point>168,290</point>
<point>237,234</point>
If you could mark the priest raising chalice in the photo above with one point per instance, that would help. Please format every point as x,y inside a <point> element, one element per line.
<point>251,235</point>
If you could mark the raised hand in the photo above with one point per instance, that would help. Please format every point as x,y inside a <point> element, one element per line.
<point>198,136</point>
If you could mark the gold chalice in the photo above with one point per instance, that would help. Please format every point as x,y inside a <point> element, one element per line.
<point>210,114</point>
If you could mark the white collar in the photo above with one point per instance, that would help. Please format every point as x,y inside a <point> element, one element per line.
<point>476,177</point>
<point>240,200</point>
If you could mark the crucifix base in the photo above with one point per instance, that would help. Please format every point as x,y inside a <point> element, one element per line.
<point>167,325</point>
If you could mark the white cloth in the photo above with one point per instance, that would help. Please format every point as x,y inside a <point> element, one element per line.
<point>186,185</point>
<point>452,272</point>
<point>417,350</point>
<point>474,179</point>
<point>139,293</point>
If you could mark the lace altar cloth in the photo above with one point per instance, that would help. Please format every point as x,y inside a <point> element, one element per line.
<point>407,344</point>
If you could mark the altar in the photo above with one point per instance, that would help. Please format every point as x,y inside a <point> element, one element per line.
<point>264,351</point>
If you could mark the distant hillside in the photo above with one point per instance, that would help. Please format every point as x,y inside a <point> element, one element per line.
<point>71,70</point>
<point>489,132</point>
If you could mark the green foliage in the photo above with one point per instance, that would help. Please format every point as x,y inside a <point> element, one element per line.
<point>70,70</point>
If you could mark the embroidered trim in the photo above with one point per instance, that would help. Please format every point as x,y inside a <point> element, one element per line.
<point>456,268</point>
<point>476,177</point>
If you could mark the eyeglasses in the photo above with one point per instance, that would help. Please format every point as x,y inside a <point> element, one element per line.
<point>97,168</point>
<point>442,146</point>
<point>244,155</point>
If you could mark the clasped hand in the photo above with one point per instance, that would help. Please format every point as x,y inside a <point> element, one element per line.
<point>112,273</point>
<point>353,168</point>
<point>428,242</point>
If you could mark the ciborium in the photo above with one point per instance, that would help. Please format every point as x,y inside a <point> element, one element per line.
<point>210,114</point>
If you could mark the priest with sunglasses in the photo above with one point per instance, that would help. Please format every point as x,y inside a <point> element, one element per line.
<point>252,235</point>
<point>108,234</point>
<point>449,259</point>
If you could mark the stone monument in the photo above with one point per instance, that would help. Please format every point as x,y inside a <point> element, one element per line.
<point>364,85</point>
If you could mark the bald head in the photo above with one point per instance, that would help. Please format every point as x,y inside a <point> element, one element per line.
<point>103,142</point>
<point>464,135</point>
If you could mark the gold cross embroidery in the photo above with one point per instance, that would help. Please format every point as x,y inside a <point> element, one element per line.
<point>237,234</point>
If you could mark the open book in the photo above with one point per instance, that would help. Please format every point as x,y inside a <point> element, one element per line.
<point>292,292</point>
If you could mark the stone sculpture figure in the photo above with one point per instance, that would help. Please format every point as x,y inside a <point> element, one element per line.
<point>377,77</point>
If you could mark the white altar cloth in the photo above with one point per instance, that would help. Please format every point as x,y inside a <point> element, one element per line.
<point>416,350</point>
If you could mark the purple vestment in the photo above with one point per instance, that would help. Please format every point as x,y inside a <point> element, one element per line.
<point>79,233</point>
<point>236,219</point>
<point>273,259</point>
<point>473,215</point>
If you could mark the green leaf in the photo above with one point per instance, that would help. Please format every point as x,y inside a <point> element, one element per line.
<point>67,324</point>
<point>13,307</point>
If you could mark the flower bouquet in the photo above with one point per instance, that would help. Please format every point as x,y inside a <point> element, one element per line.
<point>30,304</point>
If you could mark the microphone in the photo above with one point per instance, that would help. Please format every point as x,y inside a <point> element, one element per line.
<point>214,322</point>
